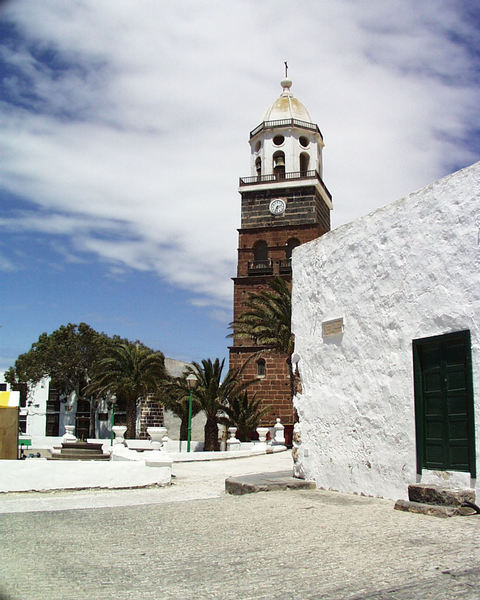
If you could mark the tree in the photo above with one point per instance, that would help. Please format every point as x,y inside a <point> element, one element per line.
<point>131,371</point>
<point>67,356</point>
<point>213,393</point>
<point>267,320</point>
<point>174,395</point>
<point>244,413</point>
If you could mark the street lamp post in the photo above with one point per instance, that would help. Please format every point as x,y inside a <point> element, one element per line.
<point>192,384</point>
<point>112,401</point>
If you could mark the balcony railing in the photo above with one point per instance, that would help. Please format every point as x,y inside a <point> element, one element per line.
<point>260,267</point>
<point>285,123</point>
<point>278,177</point>
<point>271,177</point>
<point>285,266</point>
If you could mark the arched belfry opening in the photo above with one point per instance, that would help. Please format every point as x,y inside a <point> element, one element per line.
<point>258,166</point>
<point>279,164</point>
<point>304,164</point>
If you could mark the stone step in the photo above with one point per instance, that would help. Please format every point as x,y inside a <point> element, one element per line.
<point>266,482</point>
<point>425,493</point>
<point>79,456</point>
<point>82,446</point>
<point>75,451</point>
<point>434,510</point>
<point>80,451</point>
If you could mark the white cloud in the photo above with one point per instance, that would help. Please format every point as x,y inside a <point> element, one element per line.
<point>6,264</point>
<point>134,152</point>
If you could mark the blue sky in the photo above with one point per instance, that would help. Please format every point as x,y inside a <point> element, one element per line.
<point>124,129</point>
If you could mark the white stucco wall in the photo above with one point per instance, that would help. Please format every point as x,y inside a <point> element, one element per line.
<point>291,147</point>
<point>35,411</point>
<point>409,270</point>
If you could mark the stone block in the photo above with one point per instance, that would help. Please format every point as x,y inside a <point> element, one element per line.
<point>266,482</point>
<point>439,495</point>
<point>433,510</point>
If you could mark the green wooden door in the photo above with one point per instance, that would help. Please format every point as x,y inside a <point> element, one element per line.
<point>444,403</point>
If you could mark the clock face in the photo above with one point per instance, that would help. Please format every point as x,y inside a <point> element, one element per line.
<point>277,206</point>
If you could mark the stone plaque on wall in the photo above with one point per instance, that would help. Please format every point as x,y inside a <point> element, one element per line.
<point>333,327</point>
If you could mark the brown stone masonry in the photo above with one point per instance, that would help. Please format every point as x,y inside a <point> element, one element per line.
<point>276,239</point>
<point>151,415</point>
<point>304,206</point>
<point>305,218</point>
<point>273,388</point>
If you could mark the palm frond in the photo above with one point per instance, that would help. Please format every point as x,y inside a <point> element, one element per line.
<point>267,317</point>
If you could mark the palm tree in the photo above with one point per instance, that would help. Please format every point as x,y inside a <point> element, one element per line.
<point>131,372</point>
<point>213,393</point>
<point>267,320</point>
<point>174,395</point>
<point>244,413</point>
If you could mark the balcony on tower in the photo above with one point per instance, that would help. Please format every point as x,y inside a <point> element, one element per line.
<point>260,267</point>
<point>285,266</point>
<point>290,179</point>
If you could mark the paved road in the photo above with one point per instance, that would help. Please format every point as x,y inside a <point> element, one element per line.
<point>294,545</point>
<point>191,481</point>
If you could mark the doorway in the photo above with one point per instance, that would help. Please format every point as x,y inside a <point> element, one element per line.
<point>444,406</point>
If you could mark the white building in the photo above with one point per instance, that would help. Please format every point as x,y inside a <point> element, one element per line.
<point>45,413</point>
<point>386,316</point>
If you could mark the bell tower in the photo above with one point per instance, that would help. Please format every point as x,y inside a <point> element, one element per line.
<point>284,204</point>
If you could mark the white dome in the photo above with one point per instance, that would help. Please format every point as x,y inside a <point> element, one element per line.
<point>287,107</point>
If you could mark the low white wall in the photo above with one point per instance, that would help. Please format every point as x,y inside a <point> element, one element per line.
<point>409,270</point>
<point>41,474</point>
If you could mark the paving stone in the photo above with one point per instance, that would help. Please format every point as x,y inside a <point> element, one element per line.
<point>439,495</point>
<point>434,510</point>
<point>307,545</point>
<point>266,482</point>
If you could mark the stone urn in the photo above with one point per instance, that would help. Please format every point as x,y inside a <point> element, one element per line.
<point>279,434</point>
<point>119,431</point>
<point>157,435</point>
<point>262,434</point>
<point>233,443</point>
<point>69,436</point>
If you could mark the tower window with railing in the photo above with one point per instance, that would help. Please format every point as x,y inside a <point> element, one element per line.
<point>261,264</point>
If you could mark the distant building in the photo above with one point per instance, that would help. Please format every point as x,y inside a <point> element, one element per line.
<point>284,203</point>
<point>386,316</point>
<point>45,412</point>
<point>176,368</point>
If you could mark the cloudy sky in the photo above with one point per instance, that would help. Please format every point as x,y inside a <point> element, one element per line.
<point>124,128</point>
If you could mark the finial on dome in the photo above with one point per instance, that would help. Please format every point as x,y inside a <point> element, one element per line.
<point>286,83</point>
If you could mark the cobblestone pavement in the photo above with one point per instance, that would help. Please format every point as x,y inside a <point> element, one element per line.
<point>294,545</point>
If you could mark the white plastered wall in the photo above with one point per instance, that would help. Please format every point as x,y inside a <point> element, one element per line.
<point>409,270</point>
<point>35,411</point>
